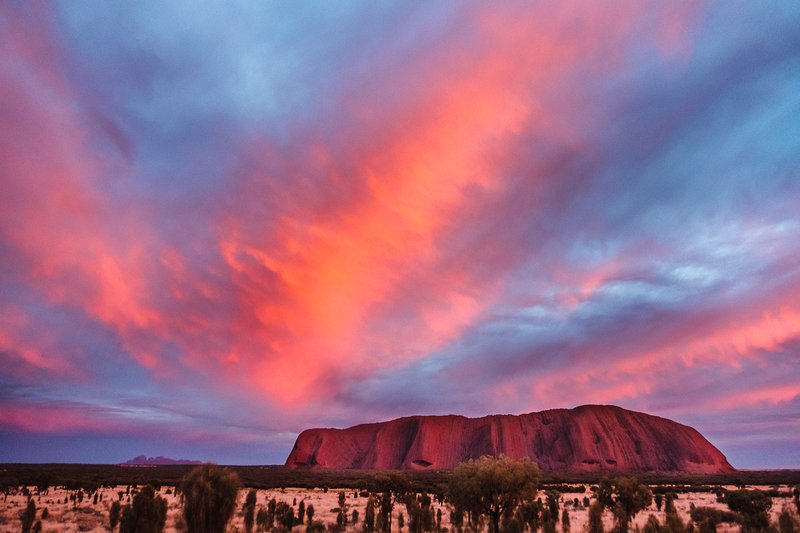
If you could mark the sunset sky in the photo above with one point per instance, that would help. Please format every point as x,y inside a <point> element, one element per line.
<point>220,226</point>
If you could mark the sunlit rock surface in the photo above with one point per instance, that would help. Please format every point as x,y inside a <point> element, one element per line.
<point>585,439</point>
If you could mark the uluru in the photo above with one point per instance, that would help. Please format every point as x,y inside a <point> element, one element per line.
<point>588,438</point>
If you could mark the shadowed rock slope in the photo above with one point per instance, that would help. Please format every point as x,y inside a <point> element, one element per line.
<point>585,439</point>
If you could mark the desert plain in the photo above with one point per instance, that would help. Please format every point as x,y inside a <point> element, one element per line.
<point>64,516</point>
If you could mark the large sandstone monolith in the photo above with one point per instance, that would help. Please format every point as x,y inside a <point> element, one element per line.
<point>585,439</point>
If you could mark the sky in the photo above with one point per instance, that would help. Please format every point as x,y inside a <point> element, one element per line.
<point>224,223</point>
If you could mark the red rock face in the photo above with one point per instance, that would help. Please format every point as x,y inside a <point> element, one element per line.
<point>589,438</point>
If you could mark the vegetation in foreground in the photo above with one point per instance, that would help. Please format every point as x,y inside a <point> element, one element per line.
<point>494,494</point>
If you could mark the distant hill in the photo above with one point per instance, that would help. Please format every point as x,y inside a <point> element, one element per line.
<point>143,460</point>
<point>590,438</point>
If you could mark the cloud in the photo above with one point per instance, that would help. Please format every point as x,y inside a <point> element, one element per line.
<point>269,218</point>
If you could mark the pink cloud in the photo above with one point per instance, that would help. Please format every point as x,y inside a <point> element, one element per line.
<point>348,269</point>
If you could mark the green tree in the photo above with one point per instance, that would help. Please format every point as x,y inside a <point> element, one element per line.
<point>209,498</point>
<point>28,516</point>
<point>301,512</point>
<point>754,507</point>
<point>659,501</point>
<point>565,521</point>
<point>249,510</point>
<point>147,513</point>
<point>493,486</point>
<point>113,515</point>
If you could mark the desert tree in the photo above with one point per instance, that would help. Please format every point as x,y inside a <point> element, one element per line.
<point>652,525</point>
<point>284,516</point>
<point>28,516</point>
<point>420,515</point>
<point>146,514</point>
<point>310,513</point>
<point>209,498</point>
<point>249,510</point>
<point>261,519</point>
<point>788,522</point>
<point>113,515</point>
<point>596,517</point>
<point>493,486</point>
<point>342,499</point>
<point>271,506</point>
<point>369,516</point>
<point>389,489</point>
<point>625,497</point>
<point>631,497</point>
<point>669,502</point>
<point>754,507</point>
<point>565,526</point>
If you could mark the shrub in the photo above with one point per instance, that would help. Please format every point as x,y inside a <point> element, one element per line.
<point>788,522</point>
<point>754,507</point>
<point>715,516</point>
<point>652,525</point>
<point>389,489</point>
<point>209,497</point>
<point>249,510</point>
<point>284,515</point>
<point>147,513</point>
<point>596,517</point>
<point>369,516</point>
<point>310,513</point>
<point>113,515</point>
<point>28,516</point>
<point>261,520</point>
